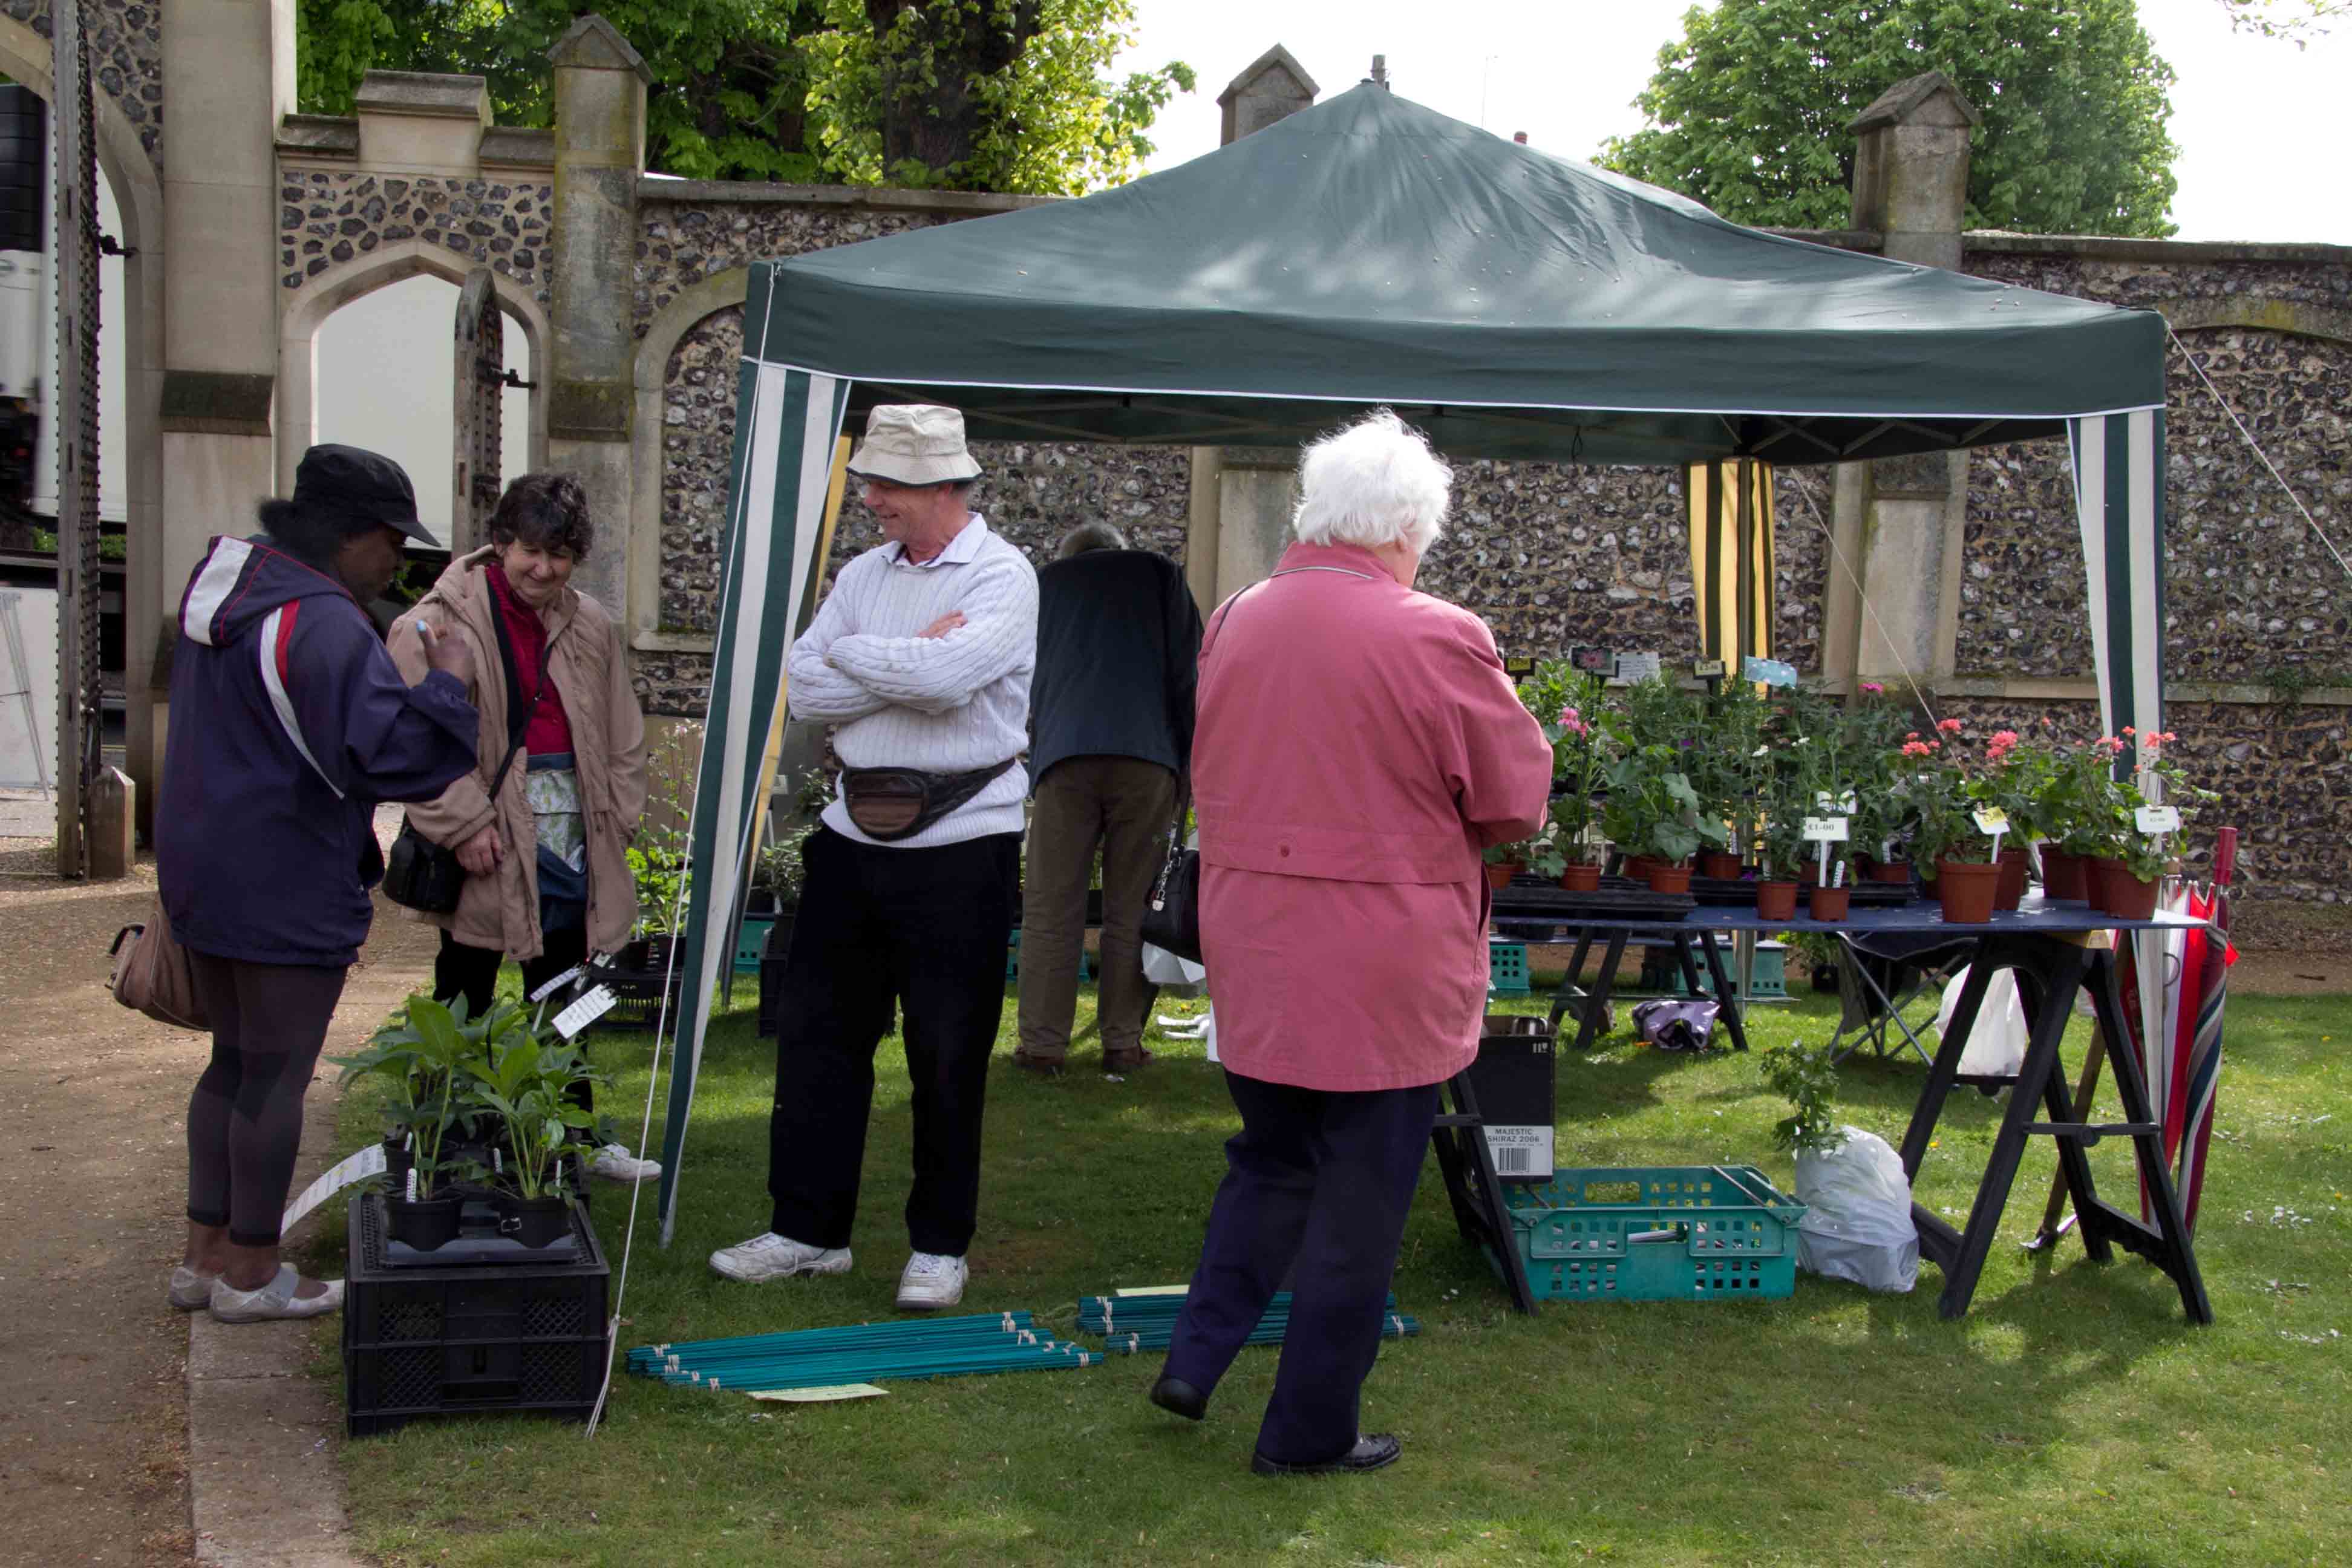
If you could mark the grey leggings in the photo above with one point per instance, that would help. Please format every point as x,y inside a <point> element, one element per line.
<point>245,1120</point>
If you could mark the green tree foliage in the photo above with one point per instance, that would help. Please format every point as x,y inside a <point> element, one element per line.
<point>2297,20</point>
<point>1004,95</point>
<point>1750,107</point>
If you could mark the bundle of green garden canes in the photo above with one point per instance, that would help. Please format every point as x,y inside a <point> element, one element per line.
<point>864,1352</point>
<point>1132,1324</point>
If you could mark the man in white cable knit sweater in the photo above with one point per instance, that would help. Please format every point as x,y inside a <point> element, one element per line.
<point>922,655</point>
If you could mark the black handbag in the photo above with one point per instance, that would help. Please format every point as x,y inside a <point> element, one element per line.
<point>1171,921</point>
<point>421,875</point>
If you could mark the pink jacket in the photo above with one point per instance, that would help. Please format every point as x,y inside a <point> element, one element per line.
<point>1358,743</point>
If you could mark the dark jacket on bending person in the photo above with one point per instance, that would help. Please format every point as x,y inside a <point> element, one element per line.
<point>1119,640</point>
<point>289,723</point>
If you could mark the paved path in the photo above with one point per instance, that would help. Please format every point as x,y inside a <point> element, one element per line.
<point>96,1455</point>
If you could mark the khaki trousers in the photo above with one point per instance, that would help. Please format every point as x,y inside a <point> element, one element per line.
<point>1124,805</point>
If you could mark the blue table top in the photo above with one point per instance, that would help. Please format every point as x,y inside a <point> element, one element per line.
<point>2036,915</point>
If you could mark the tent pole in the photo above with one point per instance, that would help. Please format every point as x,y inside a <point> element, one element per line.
<point>1742,470</point>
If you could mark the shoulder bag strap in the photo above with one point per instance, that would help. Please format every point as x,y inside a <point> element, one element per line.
<point>521,712</point>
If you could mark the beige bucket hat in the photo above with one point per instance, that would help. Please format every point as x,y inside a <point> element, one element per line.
<point>914,444</point>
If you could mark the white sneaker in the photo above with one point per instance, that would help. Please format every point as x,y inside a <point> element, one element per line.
<point>190,1290</point>
<point>772,1256</point>
<point>615,1164</point>
<point>931,1281</point>
<point>274,1300</point>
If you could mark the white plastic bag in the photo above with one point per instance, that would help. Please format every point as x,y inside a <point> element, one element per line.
<point>1162,967</point>
<point>1996,1046</point>
<point>1857,1223</point>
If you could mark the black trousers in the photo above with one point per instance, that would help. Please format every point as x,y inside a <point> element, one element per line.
<point>245,1118</point>
<point>472,973</point>
<point>925,929</point>
<point>1322,1179</point>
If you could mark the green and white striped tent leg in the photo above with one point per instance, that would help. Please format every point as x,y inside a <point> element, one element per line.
<point>786,422</point>
<point>2119,502</point>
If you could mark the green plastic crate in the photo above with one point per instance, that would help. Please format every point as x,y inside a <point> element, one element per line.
<point>1012,960</point>
<point>1671,1233</point>
<point>1506,963</point>
<point>751,941</point>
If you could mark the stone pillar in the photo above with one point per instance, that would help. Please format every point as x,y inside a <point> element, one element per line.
<point>228,77</point>
<point>1903,521</point>
<point>1239,513</point>
<point>600,144</point>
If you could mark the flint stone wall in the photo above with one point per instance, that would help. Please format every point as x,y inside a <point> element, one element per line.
<point>326,217</point>
<point>2247,589</point>
<point>126,55</point>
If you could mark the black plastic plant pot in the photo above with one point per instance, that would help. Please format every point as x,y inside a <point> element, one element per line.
<point>424,1224</point>
<point>534,1221</point>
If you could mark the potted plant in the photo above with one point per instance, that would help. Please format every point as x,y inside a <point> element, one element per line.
<point>2129,871</point>
<point>2074,812</point>
<point>1883,821</point>
<point>2013,783</point>
<point>1569,703</point>
<point>1725,769</point>
<point>528,1084</point>
<point>1503,861</point>
<point>422,1054</point>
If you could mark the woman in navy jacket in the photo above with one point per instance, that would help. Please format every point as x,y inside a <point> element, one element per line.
<point>288,724</point>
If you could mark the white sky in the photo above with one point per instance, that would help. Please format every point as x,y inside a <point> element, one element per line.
<point>2259,123</point>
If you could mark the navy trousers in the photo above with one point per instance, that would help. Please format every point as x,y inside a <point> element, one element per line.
<point>1322,1179</point>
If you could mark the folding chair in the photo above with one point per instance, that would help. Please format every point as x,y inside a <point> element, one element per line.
<point>1878,977</point>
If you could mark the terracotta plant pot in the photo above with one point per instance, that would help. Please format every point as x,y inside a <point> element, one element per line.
<point>1810,872</point>
<point>2011,889</point>
<point>1894,871</point>
<point>1931,891</point>
<point>1776,901</point>
<point>2066,876</point>
<point>1498,877</point>
<point>1969,888</point>
<point>2121,894</point>
<point>1828,903</point>
<point>1639,866</point>
<point>1718,863</point>
<point>1581,879</point>
<point>1669,878</point>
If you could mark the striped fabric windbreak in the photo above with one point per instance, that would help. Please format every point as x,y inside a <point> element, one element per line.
<point>787,423</point>
<point>2119,504</point>
<point>1732,558</point>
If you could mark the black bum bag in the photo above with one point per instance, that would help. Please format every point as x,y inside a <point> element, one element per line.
<point>890,804</point>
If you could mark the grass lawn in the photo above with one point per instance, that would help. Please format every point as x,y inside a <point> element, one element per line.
<point>2073,1417</point>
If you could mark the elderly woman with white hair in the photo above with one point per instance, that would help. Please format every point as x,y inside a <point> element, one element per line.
<point>1357,744</point>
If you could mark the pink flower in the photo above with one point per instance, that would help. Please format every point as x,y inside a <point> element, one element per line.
<point>1873,688</point>
<point>1917,748</point>
<point>1950,726</point>
<point>1573,721</point>
<point>2127,730</point>
<point>1912,736</point>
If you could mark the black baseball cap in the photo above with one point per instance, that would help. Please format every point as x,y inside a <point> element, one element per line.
<point>364,488</point>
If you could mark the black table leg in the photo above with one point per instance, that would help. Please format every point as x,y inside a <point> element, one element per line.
<point>1589,1026</point>
<point>2167,1243</point>
<point>1729,1003</point>
<point>2056,987</point>
<point>1572,984</point>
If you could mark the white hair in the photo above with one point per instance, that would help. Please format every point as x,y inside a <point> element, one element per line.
<point>1372,483</point>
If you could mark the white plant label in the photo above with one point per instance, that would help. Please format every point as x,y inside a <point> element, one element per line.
<point>1633,666</point>
<point>1825,829</point>
<point>1706,668</point>
<point>1843,804</point>
<point>1992,819</point>
<point>368,1161</point>
<point>559,983</point>
<point>586,1011</point>
<point>2159,818</point>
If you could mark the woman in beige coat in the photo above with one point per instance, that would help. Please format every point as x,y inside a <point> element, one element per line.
<point>546,875</point>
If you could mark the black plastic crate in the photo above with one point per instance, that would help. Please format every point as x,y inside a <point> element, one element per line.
<point>421,1343</point>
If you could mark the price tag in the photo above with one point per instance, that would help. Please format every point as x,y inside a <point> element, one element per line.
<point>1825,829</point>
<point>1633,666</point>
<point>586,1011</point>
<point>559,983</point>
<point>1707,669</point>
<point>1993,820</point>
<point>368,1161</point>
<point>1842,804</point>
<point>2159,818</point>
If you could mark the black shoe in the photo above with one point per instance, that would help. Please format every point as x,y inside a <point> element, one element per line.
<point>1179,1397</point>
<point>1375,1452</point>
